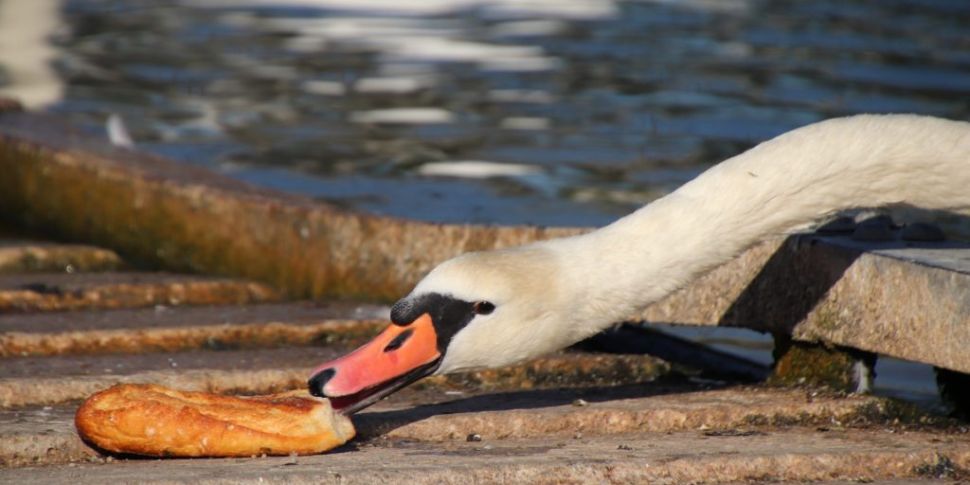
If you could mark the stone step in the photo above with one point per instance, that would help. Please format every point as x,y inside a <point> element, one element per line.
<point>38,433</point>
<point>45,434</point>
<point>654,407</point>
<point>56,292</point>
<point>169,329</point>
<point>696,440</point>
<point>45,380</point>
<point>25,256</point>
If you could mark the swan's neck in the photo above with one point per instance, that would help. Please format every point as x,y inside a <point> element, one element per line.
<point>797,178</point>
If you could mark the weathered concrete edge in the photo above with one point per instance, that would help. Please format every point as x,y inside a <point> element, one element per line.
<point>114,295</point>
<point>662,414</point>
<point>50,390</point>
<point>820,289</point>
<point>702,469</point>
<point>840,467</point>
<point>656,414</point>
<point>184,218</point>
<point>56,447</point>
<point>169,339</point>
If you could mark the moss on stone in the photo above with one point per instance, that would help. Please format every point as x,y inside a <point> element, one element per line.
<point>800,363</point>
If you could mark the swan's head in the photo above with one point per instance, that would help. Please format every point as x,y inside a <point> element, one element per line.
<point>476,311</point>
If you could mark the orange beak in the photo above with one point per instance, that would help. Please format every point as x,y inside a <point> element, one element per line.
<point>400,355</point>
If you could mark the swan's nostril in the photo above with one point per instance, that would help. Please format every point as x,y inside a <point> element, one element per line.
<point>319,380</point>
<point>399,340</point>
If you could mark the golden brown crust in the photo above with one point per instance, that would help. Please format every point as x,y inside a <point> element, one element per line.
<point>146,419</point>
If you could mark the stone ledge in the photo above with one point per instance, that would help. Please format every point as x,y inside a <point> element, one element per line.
<point>60,292</point>
<point>906,300</point>
<point>46,435</point>
<point>168,329</point>
<point>686,457</point>
<point>651,409</point>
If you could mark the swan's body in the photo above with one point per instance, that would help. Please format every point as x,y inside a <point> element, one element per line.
<point>551,294</point>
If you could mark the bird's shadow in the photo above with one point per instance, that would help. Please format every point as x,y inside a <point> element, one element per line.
<point>375,423</point>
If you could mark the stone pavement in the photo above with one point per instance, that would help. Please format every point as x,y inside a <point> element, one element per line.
<point>678,457</point>
<point>573,417</point>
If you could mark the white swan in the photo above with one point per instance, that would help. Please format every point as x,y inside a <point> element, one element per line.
<point>495,308</point>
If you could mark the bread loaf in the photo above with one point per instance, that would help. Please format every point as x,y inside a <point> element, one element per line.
<point>151,420</point>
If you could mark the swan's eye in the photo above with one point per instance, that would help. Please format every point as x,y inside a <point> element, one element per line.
<point>483,307</point>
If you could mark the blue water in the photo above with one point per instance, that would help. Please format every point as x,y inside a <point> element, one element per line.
<point>613,103</point>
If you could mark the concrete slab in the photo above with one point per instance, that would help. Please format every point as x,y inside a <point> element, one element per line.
<point>169,329</point>
<point>57,292</point>
<point>645,408</point>
<point>19,256</point>
<point>35,435</point>
<point>45,434</point>
<point>909,300</point>
<point>41,435</point>
<point>684,457</point>
<point>45,380</point>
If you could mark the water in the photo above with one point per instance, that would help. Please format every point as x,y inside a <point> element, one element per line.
<point>600,105</point>
<point>554,112</point>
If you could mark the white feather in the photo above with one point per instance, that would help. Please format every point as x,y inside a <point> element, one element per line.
<point>551,294</point>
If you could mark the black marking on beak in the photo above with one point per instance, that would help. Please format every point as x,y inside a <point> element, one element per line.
<point>448,313</point>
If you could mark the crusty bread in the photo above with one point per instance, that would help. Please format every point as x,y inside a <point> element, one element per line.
<point>152,420</point>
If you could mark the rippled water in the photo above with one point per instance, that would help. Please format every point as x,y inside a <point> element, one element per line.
<point>574,111</point>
